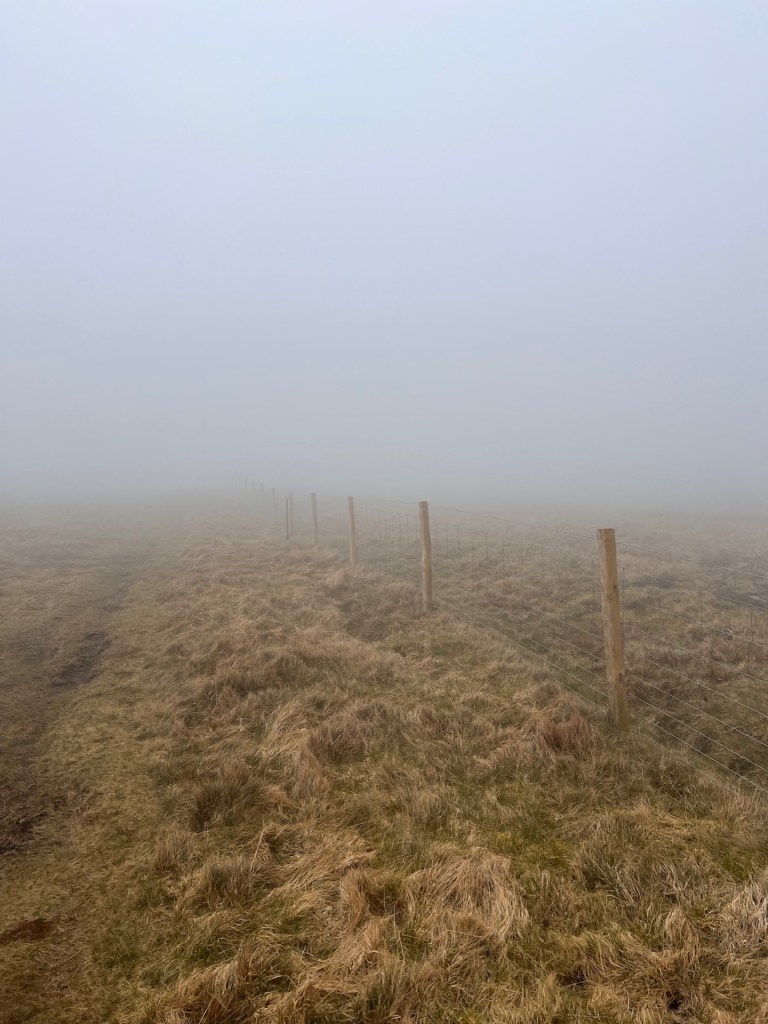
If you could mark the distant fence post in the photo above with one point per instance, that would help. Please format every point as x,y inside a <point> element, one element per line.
<point>618,710</point>
<point>352,532</point>
<point>287,521</point>
<point>314,520</point>
<point>290,515</point>
<point>426,556</point>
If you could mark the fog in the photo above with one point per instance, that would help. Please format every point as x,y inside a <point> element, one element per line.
<point>410,249</point>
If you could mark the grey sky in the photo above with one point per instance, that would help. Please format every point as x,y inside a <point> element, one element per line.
<point>392,247</point>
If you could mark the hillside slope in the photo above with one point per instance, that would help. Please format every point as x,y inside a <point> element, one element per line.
<point>302,800</point>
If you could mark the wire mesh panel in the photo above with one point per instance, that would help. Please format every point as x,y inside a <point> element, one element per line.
<point>333,524</point>
<point>695,630</point>
<point>531,586</point>
<point>697,649</point>
<point>389,539</point>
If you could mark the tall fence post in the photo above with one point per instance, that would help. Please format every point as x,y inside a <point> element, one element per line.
<point>618,710</point>
<point>287,521</point>
<point>352,532</point>
<point>314,520</point>
<point>290,515</point>
<point>426,556</point>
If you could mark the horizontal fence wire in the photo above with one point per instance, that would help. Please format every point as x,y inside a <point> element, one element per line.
<point>526,642</point>
<point>694,655</point>
<point>667,585</point>
<point>696,650</point>
<point>675,556</point>
<point>698,750</point>
<point>703,753</point>
<point>726,632</point>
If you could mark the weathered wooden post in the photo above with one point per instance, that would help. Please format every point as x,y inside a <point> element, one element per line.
<point>352,532</point>
<point>618,710</point>
<point>426,556</point>
<point>314,520</point>
<point>290,515</point>
<point>287,521</point>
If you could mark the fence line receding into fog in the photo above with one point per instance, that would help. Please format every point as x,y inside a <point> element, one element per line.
<point>663,640</point>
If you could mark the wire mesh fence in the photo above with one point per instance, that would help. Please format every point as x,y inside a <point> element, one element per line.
<point>695,631</point>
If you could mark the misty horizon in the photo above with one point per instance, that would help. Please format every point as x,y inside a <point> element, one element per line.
<point>514,252</point>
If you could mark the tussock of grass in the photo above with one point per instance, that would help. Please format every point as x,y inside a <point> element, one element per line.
<point>744,921</point>
<point>229,793</point>
<point>363,815</point>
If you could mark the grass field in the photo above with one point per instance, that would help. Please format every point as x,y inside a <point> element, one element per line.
<point>243,782</point>
<point>694,597</point>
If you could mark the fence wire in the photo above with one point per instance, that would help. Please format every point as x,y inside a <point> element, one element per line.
<point>695,630</point>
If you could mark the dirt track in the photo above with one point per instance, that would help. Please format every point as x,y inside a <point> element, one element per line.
<point>59,594</point>
<point>57,601</point>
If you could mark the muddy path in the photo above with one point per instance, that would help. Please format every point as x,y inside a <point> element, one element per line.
<point>59,591</point>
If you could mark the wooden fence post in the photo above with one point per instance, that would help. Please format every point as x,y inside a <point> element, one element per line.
<point>314,520</point>
<point>426,556</point>
<point>352,532</point>
<point>290,515</point>
<point>287,521</point>
<point>618,710</point>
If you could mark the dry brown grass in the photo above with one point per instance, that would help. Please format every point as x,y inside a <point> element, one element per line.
<point>305,802</point>
<point>696,634</point>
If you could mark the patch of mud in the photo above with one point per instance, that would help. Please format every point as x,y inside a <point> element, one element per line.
<point>15,832</point>
<point>34,930</point>
<point>84,666</point>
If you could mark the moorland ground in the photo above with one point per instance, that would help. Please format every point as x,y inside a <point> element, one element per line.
<point>242,781</point>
